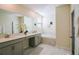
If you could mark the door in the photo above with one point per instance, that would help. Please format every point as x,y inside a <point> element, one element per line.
<point>63,27</point>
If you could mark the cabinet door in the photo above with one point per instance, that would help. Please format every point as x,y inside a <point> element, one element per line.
<point>25,43</point>
<point>17,48</point>
<point>37,39</point>
<point>6,50</point>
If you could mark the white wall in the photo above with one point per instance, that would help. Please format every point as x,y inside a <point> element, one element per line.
<point>38,22</point>
<point>50,30</point>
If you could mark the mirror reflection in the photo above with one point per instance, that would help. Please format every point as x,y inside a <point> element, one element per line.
<point>11,23</point>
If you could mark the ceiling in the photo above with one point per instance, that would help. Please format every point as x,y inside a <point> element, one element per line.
<point>43,9</point>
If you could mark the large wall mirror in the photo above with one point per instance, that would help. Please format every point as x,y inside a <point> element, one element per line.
<point>11,22</point>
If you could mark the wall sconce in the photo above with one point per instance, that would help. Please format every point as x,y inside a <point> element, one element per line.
<point>51,23</point>
<point>35,24</point>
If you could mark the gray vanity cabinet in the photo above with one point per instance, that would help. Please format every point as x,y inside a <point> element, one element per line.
<point>18,46</point>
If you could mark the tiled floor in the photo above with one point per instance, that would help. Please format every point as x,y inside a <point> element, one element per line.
<point>44,49</point>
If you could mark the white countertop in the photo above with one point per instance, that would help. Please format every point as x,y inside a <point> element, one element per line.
<point>16,36</point>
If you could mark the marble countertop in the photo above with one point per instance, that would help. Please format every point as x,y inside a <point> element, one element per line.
<point>16,36</point>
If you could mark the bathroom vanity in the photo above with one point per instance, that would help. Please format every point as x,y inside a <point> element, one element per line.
<point>16,44</point>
